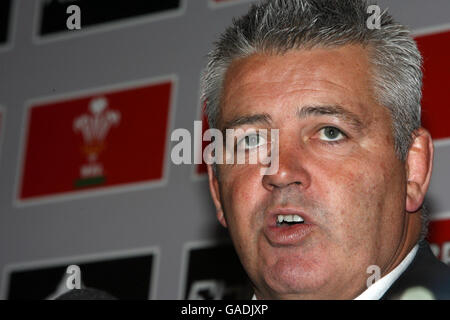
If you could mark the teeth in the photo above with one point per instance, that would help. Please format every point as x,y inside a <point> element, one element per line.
<point>288,218</point>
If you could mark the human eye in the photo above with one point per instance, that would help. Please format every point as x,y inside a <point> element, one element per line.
<point>331,134</point>
<point>251,141</point>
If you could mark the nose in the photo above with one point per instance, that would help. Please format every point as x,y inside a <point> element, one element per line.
<point>291,170</point>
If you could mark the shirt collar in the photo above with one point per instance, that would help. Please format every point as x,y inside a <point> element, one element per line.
<point>379,288</point>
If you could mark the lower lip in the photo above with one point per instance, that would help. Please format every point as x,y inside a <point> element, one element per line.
<point>287,235</point>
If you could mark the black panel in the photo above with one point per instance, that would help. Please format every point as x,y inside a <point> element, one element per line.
<point>220,264</point>
<point>126,278</point>
<point>5,13</point>
<point>93,12</point>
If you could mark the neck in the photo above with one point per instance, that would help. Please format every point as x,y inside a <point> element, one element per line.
<point>410,237</point>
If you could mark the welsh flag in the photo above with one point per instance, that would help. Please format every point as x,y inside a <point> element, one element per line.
<point>107,139</point>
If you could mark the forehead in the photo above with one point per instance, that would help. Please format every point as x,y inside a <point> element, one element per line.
<point>323,75</point>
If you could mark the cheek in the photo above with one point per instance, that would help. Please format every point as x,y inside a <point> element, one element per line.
<point>241,195</point>
<point>360,195</point>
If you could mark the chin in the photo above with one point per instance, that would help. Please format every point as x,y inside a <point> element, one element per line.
<point>286,278</point>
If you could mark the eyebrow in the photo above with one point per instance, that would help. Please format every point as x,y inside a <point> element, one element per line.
<point>263,118</point>
<point>302,112</point>
<point>333,110</point>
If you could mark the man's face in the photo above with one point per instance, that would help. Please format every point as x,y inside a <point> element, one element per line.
<point>337,170</point>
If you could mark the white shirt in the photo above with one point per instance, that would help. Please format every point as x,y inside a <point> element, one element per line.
<point>379,288</point>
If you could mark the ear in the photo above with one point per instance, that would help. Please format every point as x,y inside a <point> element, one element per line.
<point>419,165</point>
<point>215,194</point>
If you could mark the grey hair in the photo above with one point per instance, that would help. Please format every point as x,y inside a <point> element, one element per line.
<point>277,26</point>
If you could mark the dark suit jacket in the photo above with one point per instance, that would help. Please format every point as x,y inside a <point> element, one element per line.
<point>424,271</point>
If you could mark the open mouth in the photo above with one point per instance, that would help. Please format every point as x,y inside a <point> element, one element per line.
<point>289,219</point>
<point>287,227</point>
